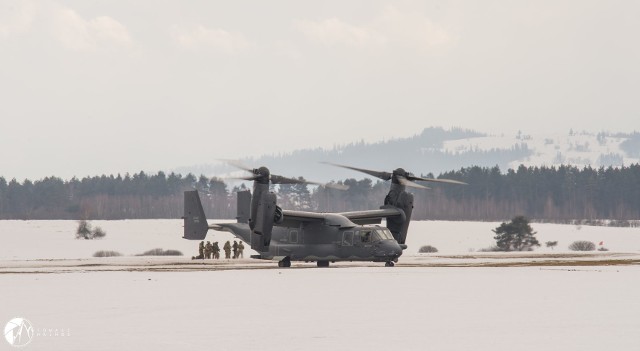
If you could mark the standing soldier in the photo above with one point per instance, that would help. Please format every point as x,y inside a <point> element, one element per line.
<point>227,249</point>
<point>208,250</point>
<point>240,249</point>
<point>201,250</point>
<point>216,251</point>
<point>235,249</point>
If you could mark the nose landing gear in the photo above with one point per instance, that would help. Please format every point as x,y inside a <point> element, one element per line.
<point>389,264</point>
<point>285,262</point>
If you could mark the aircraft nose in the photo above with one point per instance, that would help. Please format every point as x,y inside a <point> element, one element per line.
<point>399,249</point>
<point>392,249</point>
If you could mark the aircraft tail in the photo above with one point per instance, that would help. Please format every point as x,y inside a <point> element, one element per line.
<point>195,221</point>
<point>244,206</point>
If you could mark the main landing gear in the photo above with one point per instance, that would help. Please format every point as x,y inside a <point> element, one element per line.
<point>285,262</point>
<point>323,263</point>
<point>389,264</point>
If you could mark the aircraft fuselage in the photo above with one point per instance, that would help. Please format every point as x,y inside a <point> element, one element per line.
<point>319,242</point>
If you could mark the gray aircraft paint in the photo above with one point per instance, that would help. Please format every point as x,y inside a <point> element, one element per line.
<point>287,236</point>
<point>303,236</point>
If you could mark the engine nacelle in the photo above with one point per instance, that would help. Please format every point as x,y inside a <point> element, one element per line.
<point>264,220</point>
<point>278,217</point>
<point>398,226</point>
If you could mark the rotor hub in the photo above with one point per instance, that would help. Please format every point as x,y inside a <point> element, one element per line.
<point>399,172</point>
<point>262,175</point>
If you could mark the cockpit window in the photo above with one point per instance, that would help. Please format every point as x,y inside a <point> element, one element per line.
<point>373,235</point>
<point>382,234</point>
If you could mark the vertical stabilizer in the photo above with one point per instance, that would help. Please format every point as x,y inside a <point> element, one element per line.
<point>244,206</point>
<point>195,222</point>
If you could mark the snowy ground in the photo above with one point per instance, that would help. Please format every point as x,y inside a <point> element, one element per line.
<point>21,240</point>
<point>332,309</point>
<point>454,300</point>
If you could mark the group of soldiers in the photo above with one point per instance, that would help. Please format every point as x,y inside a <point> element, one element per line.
<point>212,251</point>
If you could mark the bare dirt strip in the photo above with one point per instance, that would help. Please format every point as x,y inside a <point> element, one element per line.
<point>172,264</point>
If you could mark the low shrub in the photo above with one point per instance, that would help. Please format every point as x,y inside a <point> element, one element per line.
<point>491,249</point>
<point>161,252</point>
<point>427,249</point>
<point>84,231</point>
<point>107,254</point>
<point>98,233</point>
<point>172,253</point>
<point>582,245</point>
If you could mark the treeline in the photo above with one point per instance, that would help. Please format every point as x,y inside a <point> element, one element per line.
<point>544,193</point>
<point>111,197</point>
<point>540,193</point>
<point>556,194</point>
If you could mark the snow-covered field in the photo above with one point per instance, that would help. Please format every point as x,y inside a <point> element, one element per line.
<point>21,240</point>
<point>141,303</point>
<point>332,309</point>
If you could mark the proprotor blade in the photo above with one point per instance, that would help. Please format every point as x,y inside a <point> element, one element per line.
<point>252,178</point>
<point>399,176</point>
<point>237,164</point>
<point>404,181</point>
<point>377,174</point>
<point>277,179</point>
<point>433,180</point>
<point>260,174</point>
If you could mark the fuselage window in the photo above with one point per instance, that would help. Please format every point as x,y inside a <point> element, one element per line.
<point>347,238</point>
<point>365,236</point>
<point>293,236</point>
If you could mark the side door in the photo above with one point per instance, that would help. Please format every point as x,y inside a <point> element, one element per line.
<point>347,238</point>
<point>294,236</point>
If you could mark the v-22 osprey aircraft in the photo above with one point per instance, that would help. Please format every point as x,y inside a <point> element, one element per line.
<point>286,236</point>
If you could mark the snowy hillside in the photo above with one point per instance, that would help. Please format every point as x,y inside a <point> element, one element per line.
<point>436,150</point>
<point>578,149</point>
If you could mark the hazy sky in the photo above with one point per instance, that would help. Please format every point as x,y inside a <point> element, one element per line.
<point>92,87</point>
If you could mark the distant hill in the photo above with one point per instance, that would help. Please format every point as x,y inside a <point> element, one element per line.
<point>436,150</point>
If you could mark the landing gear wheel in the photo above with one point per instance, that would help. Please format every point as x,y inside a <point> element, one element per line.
<point>323,263</point>
<point>389,264</point>
<point>285,262</point>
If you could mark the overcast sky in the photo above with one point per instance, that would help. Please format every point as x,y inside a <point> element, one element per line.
<point>92,87</point>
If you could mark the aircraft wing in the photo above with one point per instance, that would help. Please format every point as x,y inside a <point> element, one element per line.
<point>293,219</point>
<point>372,216</point>
<point>239,230</point>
